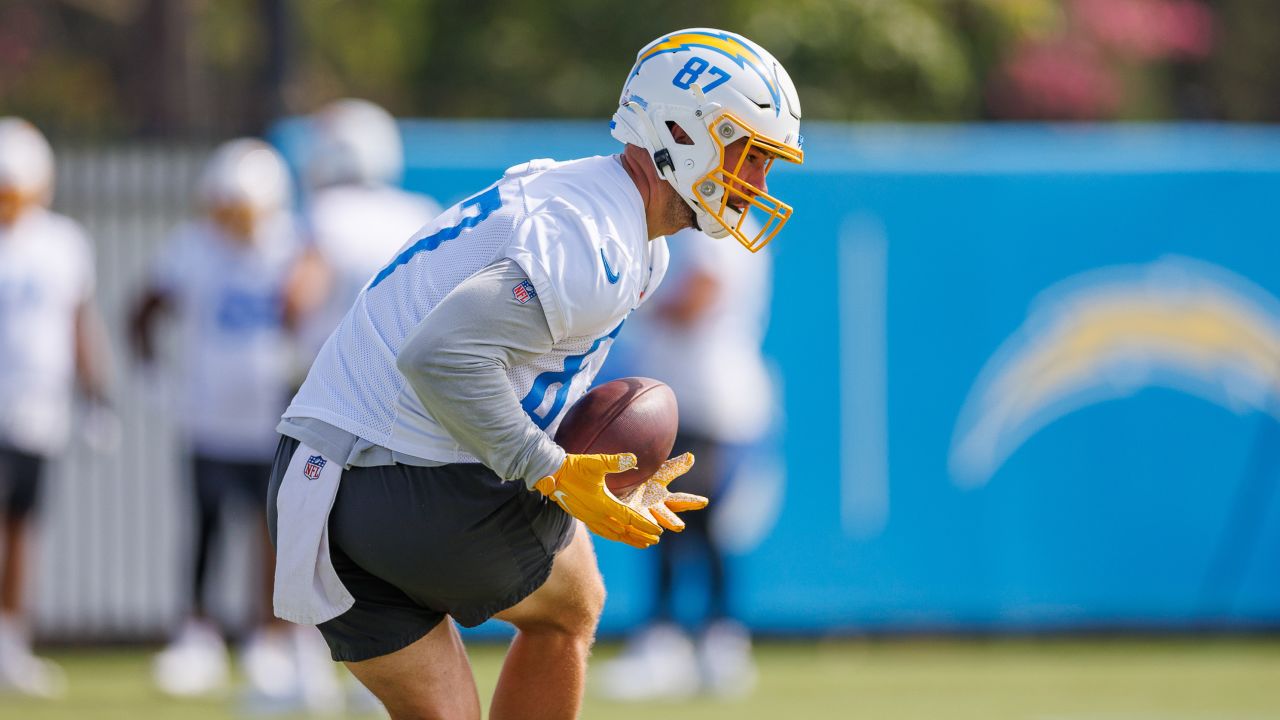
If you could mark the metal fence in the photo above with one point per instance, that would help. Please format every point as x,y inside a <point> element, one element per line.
<point>111,563</point>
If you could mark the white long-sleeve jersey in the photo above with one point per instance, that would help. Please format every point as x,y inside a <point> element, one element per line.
<point>357,229</point>
<point>577,230</point>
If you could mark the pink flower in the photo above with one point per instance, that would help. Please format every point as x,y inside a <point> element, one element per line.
<point>1148,29</point>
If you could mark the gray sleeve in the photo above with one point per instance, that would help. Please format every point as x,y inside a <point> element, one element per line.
<point>457,358</point>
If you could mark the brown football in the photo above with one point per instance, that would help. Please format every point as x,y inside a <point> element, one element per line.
<point>636,415</point>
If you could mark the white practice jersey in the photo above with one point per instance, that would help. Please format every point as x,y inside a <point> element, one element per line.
<point>357,229</point>
<point>714,365</point>
<point>46,273</point>
<point>236,355</point>
<point>577,229</point>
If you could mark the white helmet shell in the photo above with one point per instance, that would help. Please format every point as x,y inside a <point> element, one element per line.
<point>26,160</point>
<point>356,142</point>
<point>246,173</point>
<point>719,88</point>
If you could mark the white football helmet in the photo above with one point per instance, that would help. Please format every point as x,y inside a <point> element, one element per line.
<point>355,142</point>
<point>26,167</point>
<point>719,88</point>
<point>244,181</point>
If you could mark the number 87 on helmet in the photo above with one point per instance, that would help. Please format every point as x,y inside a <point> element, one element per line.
<point>715,110</point>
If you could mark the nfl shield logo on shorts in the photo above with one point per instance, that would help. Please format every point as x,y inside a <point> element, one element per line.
<point>314,465</point>
<point>524,292</point>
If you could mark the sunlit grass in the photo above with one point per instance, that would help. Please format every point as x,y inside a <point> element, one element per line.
<point>1176,679</point>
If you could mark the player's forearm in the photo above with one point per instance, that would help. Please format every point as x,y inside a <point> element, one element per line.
<point>473,401</point>
<point>309,282</point>
<point>142,321</point>
<point>456,362</point>
<point>92,354</point>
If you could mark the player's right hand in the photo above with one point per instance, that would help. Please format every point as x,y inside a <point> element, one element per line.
<point>579,487</point>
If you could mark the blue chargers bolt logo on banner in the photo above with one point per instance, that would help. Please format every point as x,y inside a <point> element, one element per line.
<point>1105,334</point>
<point>314,465</point>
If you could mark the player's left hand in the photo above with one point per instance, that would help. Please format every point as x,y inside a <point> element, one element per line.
<point>654,499</point>
<point>100,427</point>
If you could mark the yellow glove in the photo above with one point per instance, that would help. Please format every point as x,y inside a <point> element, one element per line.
<point>578,487</point>
<point>653,498</point>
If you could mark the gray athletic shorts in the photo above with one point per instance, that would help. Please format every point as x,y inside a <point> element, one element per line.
<point>414,544</point>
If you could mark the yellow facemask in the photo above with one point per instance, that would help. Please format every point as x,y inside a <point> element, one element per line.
<point>775,212</point>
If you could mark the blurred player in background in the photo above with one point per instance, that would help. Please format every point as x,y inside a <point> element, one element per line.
<point>223,274</point>
<point>416,483</point>
<point>355,215</point>
<point>702,337</point>
<point>50,338</point>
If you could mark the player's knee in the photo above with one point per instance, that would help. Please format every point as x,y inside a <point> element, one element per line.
<point>575,612</point>
<point>593,594</point>
<point>581,611</point>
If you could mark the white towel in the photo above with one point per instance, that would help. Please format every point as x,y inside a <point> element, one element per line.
<point>307,588</point>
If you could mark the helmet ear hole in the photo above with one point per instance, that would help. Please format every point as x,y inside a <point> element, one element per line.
<point>678,134</point>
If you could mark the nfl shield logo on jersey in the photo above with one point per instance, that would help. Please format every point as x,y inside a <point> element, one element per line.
<point>314,465</point>
<point>524,292</point>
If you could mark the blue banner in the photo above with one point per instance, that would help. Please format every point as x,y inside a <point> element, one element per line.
<point>1029,373</point>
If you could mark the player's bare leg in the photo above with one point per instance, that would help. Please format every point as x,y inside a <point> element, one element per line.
<point>429,679</point>
<point>14,574</point>
<point>280,649</point>
<point>546,667</point>
<point>268,567</point>
<point>19,668</point>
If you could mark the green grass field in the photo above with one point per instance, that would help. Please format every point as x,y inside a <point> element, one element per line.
<point>1175,679</point>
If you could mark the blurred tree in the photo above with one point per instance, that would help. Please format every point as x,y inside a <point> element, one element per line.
<point>1242,74</point>
<point>51,67</point>
<point>872,60</point>
<point>221,67</point>
<point>527,58</point>
<point>369,48</point>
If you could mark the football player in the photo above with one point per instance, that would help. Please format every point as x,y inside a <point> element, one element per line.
<point>355,215</point>
<point>417,484</point>
<point>50,338</point>
<point>222,274</point>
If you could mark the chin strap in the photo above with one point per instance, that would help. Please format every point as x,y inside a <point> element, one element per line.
<point>661,159</point>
